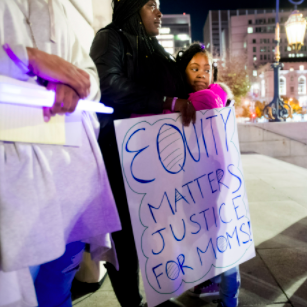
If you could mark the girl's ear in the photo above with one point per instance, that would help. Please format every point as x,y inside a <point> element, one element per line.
<point>215,72</point>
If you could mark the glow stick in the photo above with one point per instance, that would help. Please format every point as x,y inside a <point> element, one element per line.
<point>19,92</point>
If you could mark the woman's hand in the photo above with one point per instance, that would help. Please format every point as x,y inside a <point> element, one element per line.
<point>53,68</point>
<point>66,100</point>
<point>185,107</point>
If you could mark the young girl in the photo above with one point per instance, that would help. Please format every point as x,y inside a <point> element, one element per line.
<point>196,65</point>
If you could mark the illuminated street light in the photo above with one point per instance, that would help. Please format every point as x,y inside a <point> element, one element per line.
<point>277,110</point>
<point>296,28</point>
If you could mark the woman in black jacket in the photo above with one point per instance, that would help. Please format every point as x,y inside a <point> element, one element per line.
<point>136,76</point>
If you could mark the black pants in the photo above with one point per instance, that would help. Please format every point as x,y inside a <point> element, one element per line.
<point>125,282</point>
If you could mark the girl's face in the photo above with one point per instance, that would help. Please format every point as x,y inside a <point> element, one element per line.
<point>199,72</point>
<point>151,17</point>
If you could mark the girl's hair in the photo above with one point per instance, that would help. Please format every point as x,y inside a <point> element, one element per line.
<point>184,57</point>
<point>126,16</point>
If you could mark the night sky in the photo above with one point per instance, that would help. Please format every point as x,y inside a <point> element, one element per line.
<point>199,9</point>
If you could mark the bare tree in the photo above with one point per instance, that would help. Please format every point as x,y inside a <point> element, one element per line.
<point>236,74</point>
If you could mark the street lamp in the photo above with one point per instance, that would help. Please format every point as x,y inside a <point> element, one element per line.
<point>295,29</point>
<point>276,111</point>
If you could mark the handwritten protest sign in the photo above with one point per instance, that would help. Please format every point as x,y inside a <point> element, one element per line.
<point>187,199</point>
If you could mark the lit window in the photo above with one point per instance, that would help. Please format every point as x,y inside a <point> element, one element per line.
<point>282,86</point>
<point>302,85</point>
<point>244,44</point>
<point>167,43</point>
<point>301,67</point>
<point>165,31</point>
<point>262,88</point>
<point>255,58</point>
<point>289,48</point>
<point>250,30</point>
<point>165,36</point>
<point>170,50</point>
<point>183,37</point>
<point>255,89</point>
<point>255,73</point>
<point>291,69</point>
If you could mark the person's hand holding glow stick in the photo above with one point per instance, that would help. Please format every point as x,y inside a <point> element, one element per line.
<point>66,100</point>
<point>69,83</point>
<point>53,68</point>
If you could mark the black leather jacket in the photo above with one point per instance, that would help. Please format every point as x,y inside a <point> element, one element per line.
<point>115,54</point>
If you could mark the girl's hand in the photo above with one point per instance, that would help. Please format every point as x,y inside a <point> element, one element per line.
<point>187,110</point>
<point>55,69</point>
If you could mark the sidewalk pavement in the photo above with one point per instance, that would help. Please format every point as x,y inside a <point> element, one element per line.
<point>277,193</point>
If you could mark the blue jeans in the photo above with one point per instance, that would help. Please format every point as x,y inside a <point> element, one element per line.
<point>53,279</point>
<point>230,282</point>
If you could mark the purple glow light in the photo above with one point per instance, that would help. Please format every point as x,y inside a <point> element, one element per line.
<point>19,92</point>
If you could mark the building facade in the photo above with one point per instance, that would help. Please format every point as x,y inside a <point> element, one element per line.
<point>175,33</point>
<point>216,31</point>
<point>254,36</point>
<point>249,33</point>
<point>292,81</point>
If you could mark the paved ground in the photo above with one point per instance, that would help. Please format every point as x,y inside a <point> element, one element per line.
<point>277,193</point>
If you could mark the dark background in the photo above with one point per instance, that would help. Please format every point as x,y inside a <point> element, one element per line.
<point>198,9</point>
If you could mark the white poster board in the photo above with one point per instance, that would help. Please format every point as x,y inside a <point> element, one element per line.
<point>187,199</point>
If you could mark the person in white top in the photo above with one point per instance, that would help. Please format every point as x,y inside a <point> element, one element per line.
<point>53,198</point>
